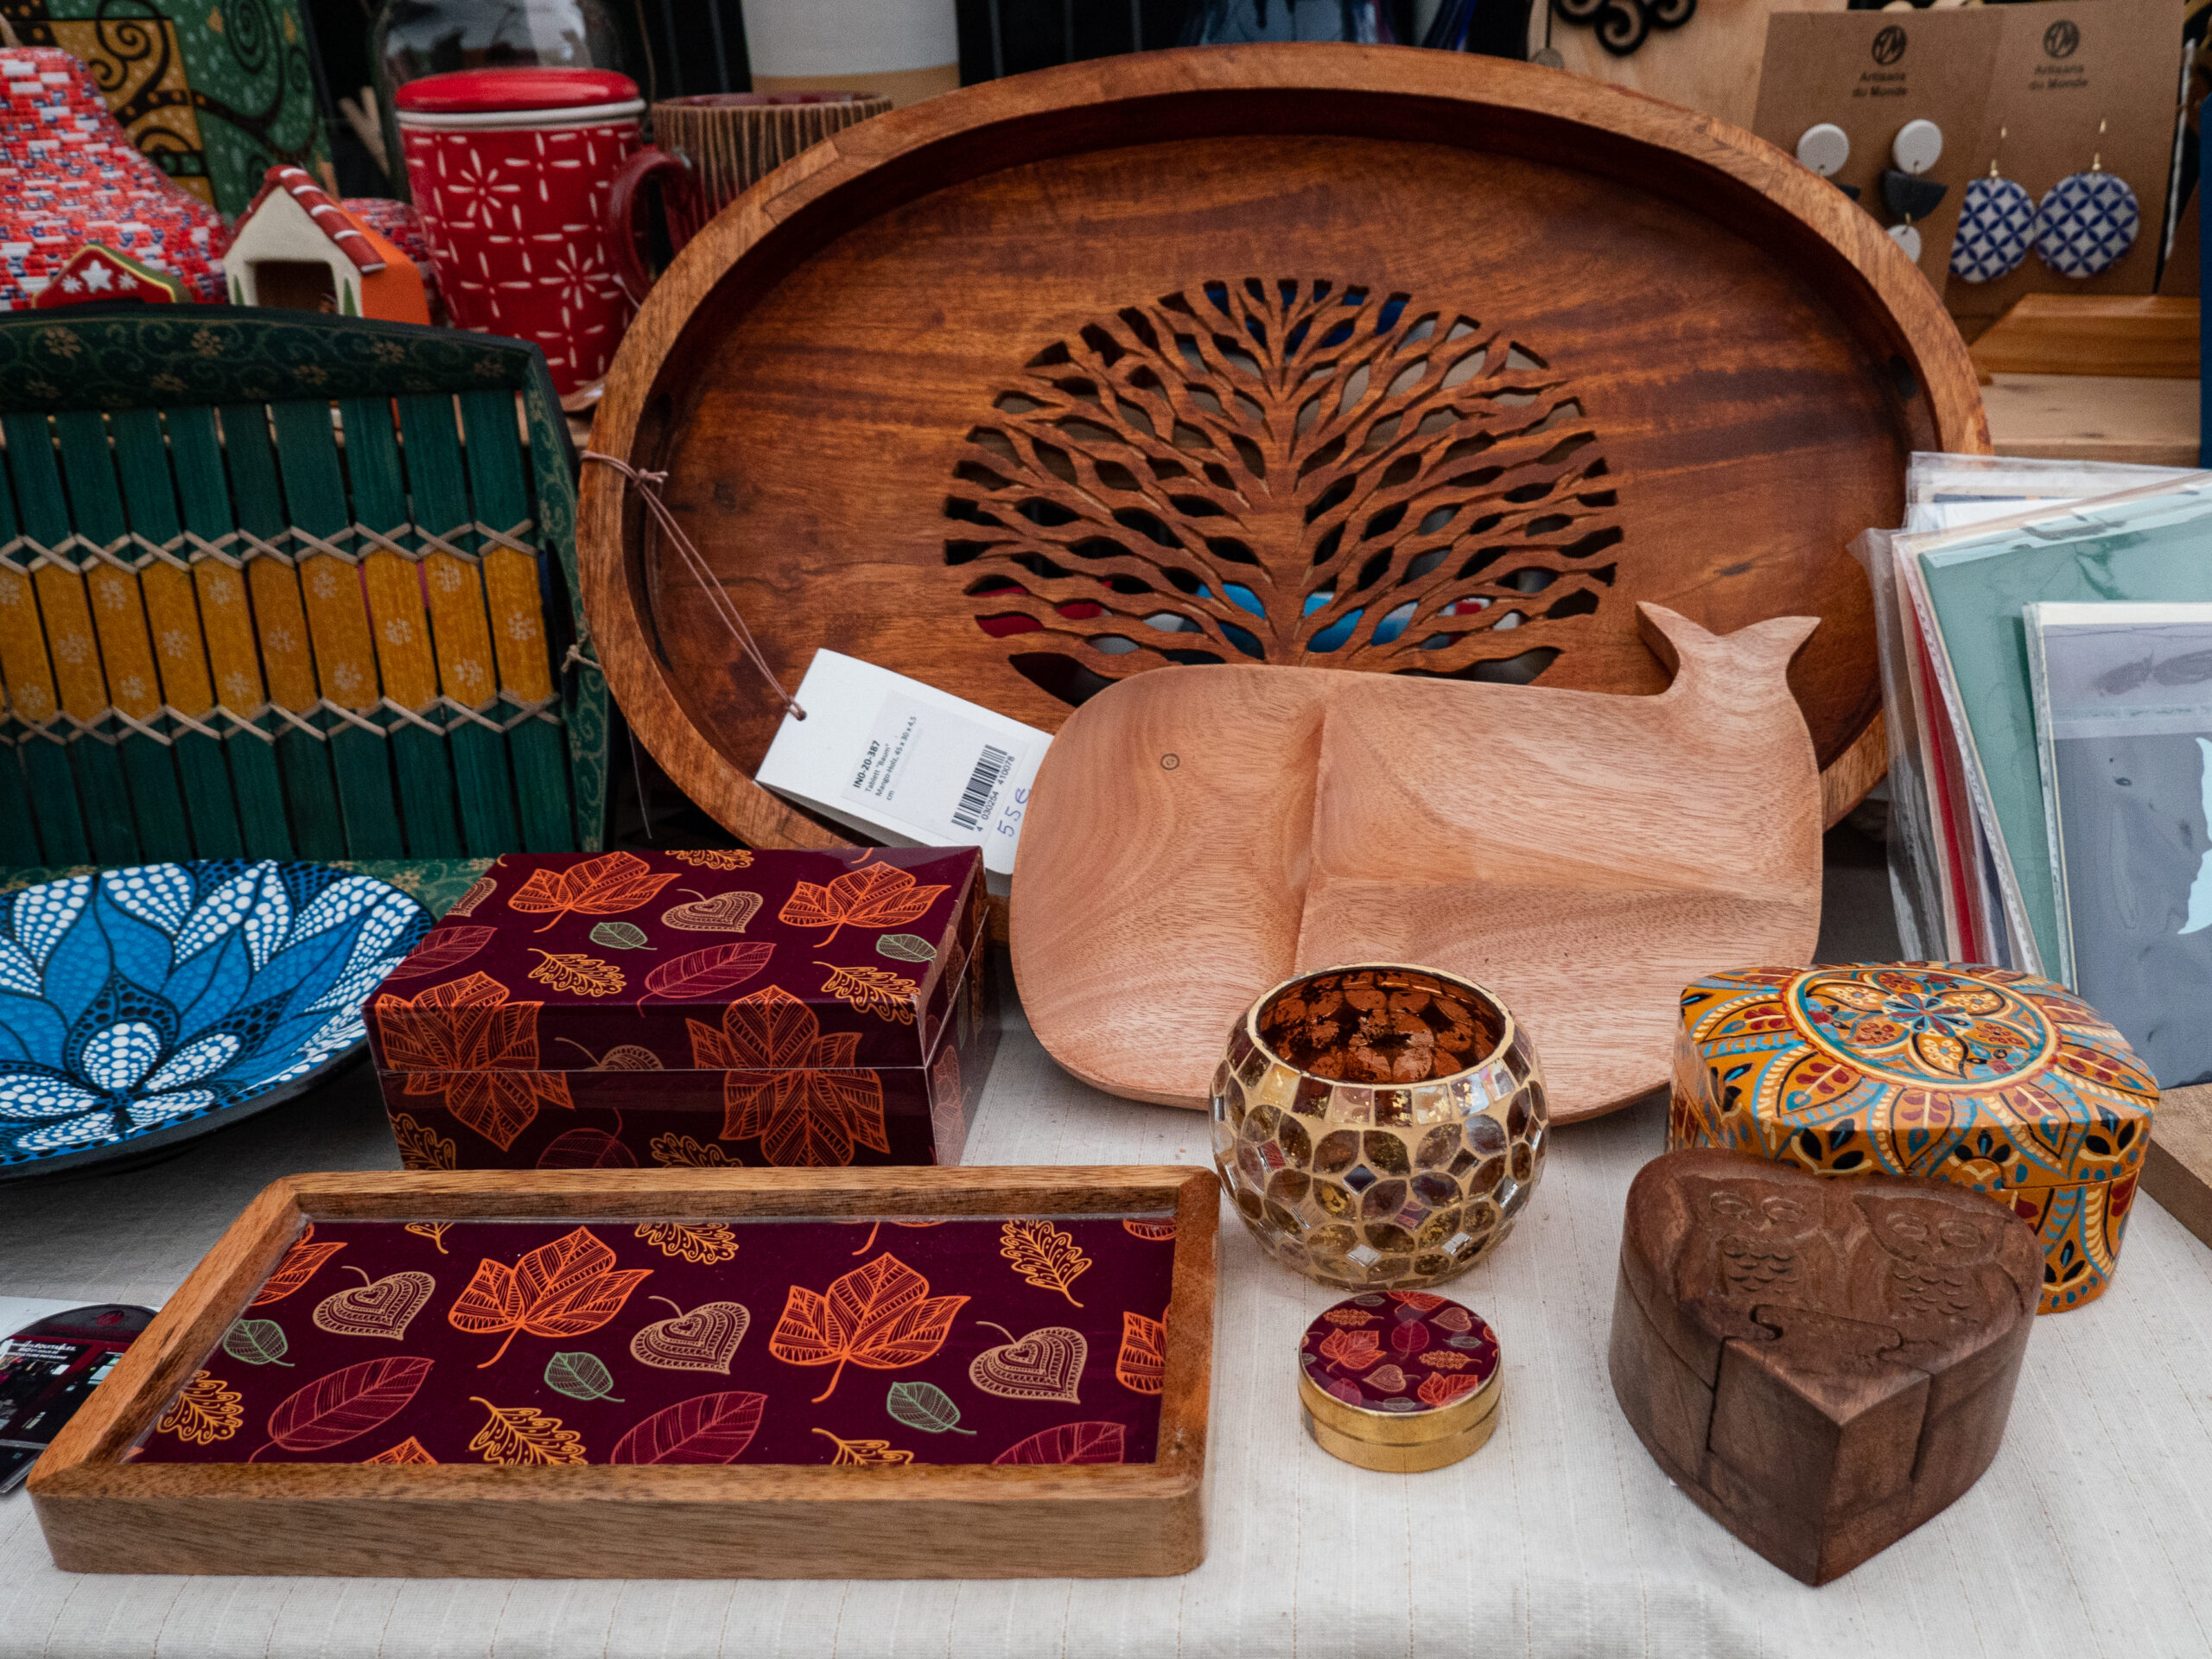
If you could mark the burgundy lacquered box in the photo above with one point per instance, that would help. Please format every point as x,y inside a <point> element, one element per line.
<point>708,1008</point>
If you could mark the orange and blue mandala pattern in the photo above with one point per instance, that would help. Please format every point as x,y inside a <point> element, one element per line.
<point>1981,1077</point>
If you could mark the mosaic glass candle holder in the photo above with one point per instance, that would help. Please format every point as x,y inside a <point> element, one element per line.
<point>1379,1126</point>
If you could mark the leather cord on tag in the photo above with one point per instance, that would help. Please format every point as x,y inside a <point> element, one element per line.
<point>648,486</point>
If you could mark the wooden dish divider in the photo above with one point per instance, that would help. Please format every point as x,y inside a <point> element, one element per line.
<point>104,1515</point>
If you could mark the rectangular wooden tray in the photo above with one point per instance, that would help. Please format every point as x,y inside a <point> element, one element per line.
<point>102,1513</point>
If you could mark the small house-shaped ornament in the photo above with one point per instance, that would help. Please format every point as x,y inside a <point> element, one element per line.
<point>296,250</point>
<point>95,273</point>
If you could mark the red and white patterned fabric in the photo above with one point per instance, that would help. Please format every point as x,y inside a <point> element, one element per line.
<point>69,175</point>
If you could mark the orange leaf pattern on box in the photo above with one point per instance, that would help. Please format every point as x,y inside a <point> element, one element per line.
<point>1068,1443</point>
<point>1353,1316</point>
<point>1385,1379</point>
<point>873,990</point>
<point>298,1266</point>
<point>521,1434</point>
<point>1141,1365</point>
<point>880,1316</point>
<point>874,1454</point>
<point>682,1152</point>
<point>334,1409</point>
<point>478,890</point>
<point>433,1230</point>
<point>682,1336</point>
<point>816,1107</point>
<point>1351,1349</point>
<point>1161,1232</point>
<point>204,1413</point>
<point>875,895</point>
<point>420,1146</point>
<point>712,1428</point>
<point>1044,1255</point>
<point>697,976</point>
<point>408,1450</point>
<point>442,947</point>
<point>464,1040</point>
<point>732,859</point>
<point>1438,1390</point>
<point>707,1242</point>
<point>565,1288</point>
<point>597,886</point>
<point>586,975</point>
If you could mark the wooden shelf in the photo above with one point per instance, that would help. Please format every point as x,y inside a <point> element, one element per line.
<point>2093,417</point>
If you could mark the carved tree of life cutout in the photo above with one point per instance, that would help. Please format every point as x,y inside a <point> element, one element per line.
<point>1284,472</point>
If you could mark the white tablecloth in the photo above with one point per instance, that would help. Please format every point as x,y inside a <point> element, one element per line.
<point>2091,1535</point>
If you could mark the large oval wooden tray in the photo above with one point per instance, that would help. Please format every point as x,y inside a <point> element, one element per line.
<point>1351,357</point>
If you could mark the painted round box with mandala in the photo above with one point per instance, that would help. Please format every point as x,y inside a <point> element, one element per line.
<point>1379,1126</point>
<point>1987,1078</point>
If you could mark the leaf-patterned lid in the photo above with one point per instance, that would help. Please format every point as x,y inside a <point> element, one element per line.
<point>1403,1352</point>
<point>703,960</point>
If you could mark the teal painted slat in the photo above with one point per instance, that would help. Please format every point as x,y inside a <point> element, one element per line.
<point>420,759</point>
<point>38,820</point>
<point>583,689</point>
<point>438,491</point>
<point>102,793</point>
<point>142,464</point>
<point>500,487</point>
<point>257,783</point>
<point>315,497</point>
<point>318,827</point>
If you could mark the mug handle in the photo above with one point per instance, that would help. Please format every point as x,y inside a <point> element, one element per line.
<point>622,202</point>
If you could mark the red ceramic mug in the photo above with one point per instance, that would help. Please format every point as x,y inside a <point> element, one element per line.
<point>512,171</point>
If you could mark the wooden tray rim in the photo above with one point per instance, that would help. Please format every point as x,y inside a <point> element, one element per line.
<point>831,181</point>
<point>85,1461</point>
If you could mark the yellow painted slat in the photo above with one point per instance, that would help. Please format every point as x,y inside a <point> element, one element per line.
<point>119,616</point>
<point>70,637</point>
<point>517,623</point>
<point>464,639</point>
<point>402,633</point>
<point>282,625</point>
<point>178,645</point>
<point>23,649</point>
<point>345,655</point>
<point>228,621</point>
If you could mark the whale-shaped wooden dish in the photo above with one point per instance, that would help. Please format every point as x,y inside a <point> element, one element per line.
<point>1195,838</point>
<point>1417,363</point>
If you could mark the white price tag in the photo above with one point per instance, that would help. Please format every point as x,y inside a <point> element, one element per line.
<point>904,761</point>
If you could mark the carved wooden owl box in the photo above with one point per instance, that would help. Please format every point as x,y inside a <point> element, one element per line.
<point>1979,1077</point>
<point>1821,1365</point>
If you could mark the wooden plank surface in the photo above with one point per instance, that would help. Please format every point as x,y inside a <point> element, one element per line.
<point>2178,1170</point>
<point>2094,417</point>
<point>2140,336</point>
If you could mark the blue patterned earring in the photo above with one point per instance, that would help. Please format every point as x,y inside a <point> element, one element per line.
<point>1995,225</point>
<point>2087,221</point>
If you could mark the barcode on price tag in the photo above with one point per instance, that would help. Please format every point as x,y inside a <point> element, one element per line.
<point>905,762</point>
<point>983,783</point>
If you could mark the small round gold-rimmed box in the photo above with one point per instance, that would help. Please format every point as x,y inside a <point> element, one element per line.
<point>1400,1381</point>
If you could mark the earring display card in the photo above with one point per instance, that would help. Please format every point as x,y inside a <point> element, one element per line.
<point>1871,72</point>
<point>2059,69</point>
<point>2124,723</point>
<point>1711,63</point>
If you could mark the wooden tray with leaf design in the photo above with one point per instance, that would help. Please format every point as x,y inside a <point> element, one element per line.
<point>898,1373</point>
<point>1367,358</point>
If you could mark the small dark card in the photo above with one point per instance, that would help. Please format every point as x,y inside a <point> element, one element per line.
<point>48,1369</point>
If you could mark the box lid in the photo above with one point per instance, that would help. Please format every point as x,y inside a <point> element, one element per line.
<point>1986,1077</point>
<point>671,961</point>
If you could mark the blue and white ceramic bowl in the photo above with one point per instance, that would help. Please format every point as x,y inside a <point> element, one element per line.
<point>144,1006</point>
